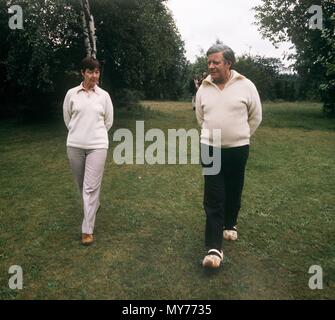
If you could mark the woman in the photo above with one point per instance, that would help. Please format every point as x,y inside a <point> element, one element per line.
<point>88,115</point>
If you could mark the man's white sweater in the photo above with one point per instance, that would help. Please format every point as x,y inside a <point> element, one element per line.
<point>88,115</point>
<point>236,110</point>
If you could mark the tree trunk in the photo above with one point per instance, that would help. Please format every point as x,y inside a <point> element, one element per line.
<point>89,29</point>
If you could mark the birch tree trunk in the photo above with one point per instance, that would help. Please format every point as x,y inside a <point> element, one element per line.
<point>89,29</point>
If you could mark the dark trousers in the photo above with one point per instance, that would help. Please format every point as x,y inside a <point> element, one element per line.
<point>223,192</point>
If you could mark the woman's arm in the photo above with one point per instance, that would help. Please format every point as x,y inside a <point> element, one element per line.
<point>108,112</point>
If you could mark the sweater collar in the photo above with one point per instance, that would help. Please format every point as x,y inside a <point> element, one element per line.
<point>235,76</point>
<point>94,89</point>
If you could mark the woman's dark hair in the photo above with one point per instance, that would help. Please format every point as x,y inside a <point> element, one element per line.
<point>90,63</point>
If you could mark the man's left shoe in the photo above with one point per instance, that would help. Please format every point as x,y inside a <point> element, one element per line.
<point>230,234</point>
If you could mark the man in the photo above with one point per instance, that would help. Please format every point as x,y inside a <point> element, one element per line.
<point>88,115</point>
<point>230,102</point>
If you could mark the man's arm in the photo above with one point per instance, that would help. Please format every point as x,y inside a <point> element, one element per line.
<point>198,109</point>
<point>254,110</point>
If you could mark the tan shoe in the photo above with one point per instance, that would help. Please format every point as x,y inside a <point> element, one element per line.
<point>213,259</point>
<point>86,239</point>
<point>230,234</point>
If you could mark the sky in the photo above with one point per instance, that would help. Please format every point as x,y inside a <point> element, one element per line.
<point>201,22</point>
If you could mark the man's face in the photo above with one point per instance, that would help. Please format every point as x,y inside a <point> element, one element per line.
<point>217,67</point>
<point>91,77</point>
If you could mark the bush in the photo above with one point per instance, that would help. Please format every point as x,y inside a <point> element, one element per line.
<point>125,98</point>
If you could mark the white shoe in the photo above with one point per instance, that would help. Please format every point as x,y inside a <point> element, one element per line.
<point>213,259</point>
<point>230,234</point>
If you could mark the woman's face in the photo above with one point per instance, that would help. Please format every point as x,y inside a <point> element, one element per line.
<point>91,77</point>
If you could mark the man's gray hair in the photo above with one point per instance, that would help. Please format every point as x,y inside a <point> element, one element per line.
<point>228,53</point>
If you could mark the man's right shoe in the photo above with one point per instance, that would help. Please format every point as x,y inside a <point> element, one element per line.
<point>87,239</point>
<point>213,259</point>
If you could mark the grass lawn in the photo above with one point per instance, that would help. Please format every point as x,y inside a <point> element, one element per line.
<point>150,231</point>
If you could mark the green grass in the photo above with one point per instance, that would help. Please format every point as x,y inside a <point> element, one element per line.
<point>150,230</point>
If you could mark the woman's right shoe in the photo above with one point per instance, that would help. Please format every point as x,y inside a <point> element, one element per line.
<point>213,259</point>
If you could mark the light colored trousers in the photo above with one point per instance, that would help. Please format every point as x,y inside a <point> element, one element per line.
<point>88,168</point>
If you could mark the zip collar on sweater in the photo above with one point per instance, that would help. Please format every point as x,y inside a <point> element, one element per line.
<point>235,76</point>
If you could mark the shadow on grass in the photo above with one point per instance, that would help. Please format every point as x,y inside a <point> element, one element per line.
<point>208,272</point>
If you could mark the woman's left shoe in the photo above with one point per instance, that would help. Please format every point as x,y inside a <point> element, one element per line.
<point>87,239</point>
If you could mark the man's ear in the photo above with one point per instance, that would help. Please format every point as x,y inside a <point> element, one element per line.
<point>83,73</point>
<point>228,62</point>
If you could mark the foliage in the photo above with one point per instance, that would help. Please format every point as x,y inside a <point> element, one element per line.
<point>37,57</point>
<point>138,43</point>
<point>141,46</point>
<point>264,72</point>
<point>269,75</point>
<point>41,48</point>
<point>280,20</point>
<point>199,67</point>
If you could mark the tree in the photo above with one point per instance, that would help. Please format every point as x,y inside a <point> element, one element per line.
<point>37,57</point>
<point>141,45</point>
<point>263,71</point>
<point>138,40</point>
<point>280,20</point>
<point>199,67</point>
<point>327,60</point>
<point>268,74</point>
<point>89,29</point>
